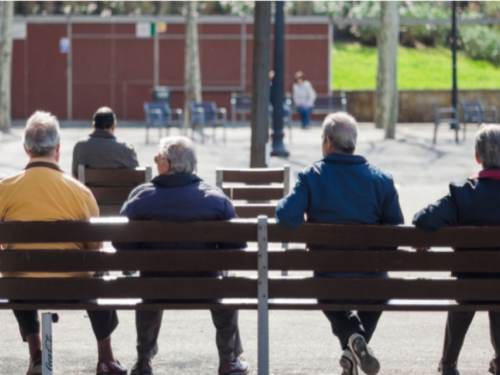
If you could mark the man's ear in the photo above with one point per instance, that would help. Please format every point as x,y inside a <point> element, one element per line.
<point>112,128</point>
<point>93,125</point>
<point>478,159</point>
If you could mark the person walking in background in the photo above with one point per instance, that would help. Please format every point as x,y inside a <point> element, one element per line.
<point>101,149</point>
<point>472,202</point>
<point>303,97</point>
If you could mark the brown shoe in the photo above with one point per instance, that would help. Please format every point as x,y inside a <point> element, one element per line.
<point>143,366</point>
<point>35,366</point>
<point>110,368</point>
<point>237,367</point>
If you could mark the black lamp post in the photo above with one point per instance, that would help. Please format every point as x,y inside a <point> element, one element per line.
<point>278,86</point>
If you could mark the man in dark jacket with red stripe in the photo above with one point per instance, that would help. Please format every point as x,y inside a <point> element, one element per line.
<point>474,202</point>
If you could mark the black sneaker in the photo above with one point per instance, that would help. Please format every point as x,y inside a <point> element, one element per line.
<point>447,370</point>
<point>348,363</point>
<point>364,356</point>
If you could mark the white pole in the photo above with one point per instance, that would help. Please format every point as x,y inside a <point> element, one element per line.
<point>47,344</point>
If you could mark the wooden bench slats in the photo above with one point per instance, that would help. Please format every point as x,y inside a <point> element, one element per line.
<point>26,288</point>
<point>245,229</point>
<point>385,289</point>
<point>369,261</point>
<point>254,176</point>
<point>214,260</point>
<point>110,194</point>
<point>136,231</point>
<point>128,176</point>
<point>373,236</point>
<point>167,260</point>
<point>254,210</point>
<point>253,193</point>
<point>56,306</point>
<point>384,307</point>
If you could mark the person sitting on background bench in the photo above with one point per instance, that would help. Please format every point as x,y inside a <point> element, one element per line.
<point>344,188</point>
<point>473,202</point>
<point>101,150</point>
<point>177,194</point>
<point>42,192</point>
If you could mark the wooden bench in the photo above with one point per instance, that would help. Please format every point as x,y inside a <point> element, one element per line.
<point>254,185</point>
<point>111,187</point>
<point>208,114</point>
<point>262,293</point>
<point>326,104</point>
<point>161,115</point>
<point>445,115</point>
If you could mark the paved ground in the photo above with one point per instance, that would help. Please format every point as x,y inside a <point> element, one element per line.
<point>301,342</point>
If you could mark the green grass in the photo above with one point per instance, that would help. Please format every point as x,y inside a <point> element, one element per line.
<point>354,67</point>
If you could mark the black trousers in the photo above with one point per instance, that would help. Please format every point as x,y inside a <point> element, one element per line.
<point>457,325</point>
<point>104,322</point>
<point>346,323</point>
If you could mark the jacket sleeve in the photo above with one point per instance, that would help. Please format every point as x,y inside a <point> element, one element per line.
<point>392,214</point>
<point>133,162</point>
<point>312,95</point>
<point>291,209</point>
<point>75,162</point>
<point>128,210</point>
<point>229,213</point>
<point>443,213</point>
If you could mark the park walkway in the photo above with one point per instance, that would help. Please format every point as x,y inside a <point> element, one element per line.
<point>301,342</point>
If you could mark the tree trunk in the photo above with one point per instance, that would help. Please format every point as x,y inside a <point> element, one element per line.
<point>387,98</point>
<point>5,63</point>
<point>260,83</point>
<point>192,76</point>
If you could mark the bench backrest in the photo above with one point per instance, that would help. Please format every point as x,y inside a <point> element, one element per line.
<point>330,103</point>
<point>205,110</point>
<point>256,186</point>
<point>155,111</point>
<point>111,187</point>
<point>355,290</point>
<point>241,102</point>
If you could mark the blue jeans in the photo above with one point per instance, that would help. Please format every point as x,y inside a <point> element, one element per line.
<point>305,115</point>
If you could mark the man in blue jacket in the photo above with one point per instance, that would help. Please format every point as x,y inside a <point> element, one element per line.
<point>475,202</point>
<point>344,188</point>
<point>177,194</point>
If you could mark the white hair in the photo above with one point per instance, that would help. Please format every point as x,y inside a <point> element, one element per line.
<point>180,153</point>
<point>488,146</point>
<point>341,128</point>
<point>42,134</point>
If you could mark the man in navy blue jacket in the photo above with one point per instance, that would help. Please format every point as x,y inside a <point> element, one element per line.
<point>475,202</point>
<point>344,188</point>
<point>177,194</point>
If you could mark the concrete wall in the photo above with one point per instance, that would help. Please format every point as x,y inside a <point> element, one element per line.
<point>416,106</point>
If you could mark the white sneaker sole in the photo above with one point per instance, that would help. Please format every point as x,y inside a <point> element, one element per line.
<point>367,362</point>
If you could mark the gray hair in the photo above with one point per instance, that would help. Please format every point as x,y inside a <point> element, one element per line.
<point>180,153</point>
<point>341,128</point>
<point>42,134</point>
<point>488,146</point>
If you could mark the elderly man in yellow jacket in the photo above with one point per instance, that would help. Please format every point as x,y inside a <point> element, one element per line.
<point>42,192</point>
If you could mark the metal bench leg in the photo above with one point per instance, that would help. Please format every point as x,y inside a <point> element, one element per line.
<point>47,319</point>
<point>262,290</point>
<point>435,132</point>
<point>465,127</point>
